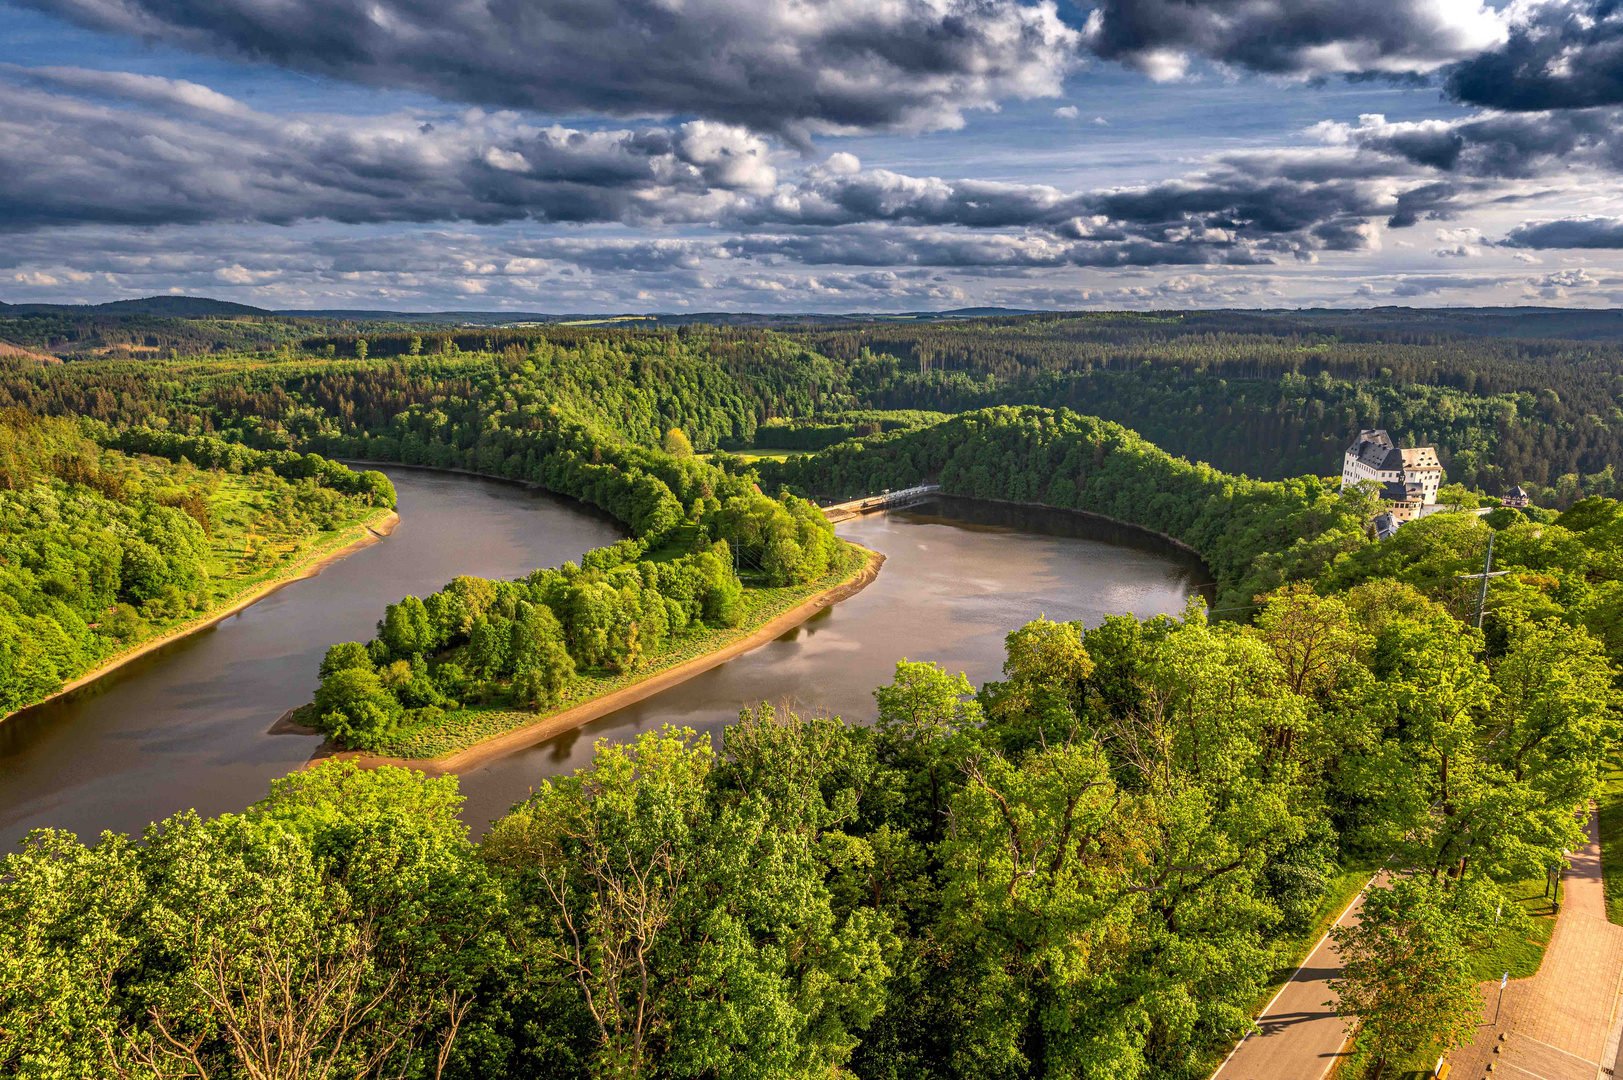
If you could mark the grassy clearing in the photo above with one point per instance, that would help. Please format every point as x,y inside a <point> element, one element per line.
<point>457,731</point>
<point>750,454</point>
<point>261,527</point>
<point>1611,844</point>
<point>262,530</point>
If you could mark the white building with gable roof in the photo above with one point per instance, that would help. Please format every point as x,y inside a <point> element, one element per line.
<point>1409,479</point>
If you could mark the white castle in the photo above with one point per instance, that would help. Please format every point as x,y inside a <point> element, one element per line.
<point>1408,479</point>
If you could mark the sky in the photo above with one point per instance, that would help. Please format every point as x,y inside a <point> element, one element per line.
<point>812,155</point>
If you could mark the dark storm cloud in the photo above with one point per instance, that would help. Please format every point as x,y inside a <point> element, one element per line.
<point>82,147</point>
<point>1560,55</point>
<point>940,248</point>
<point>139,150</point>
<point>1291,37</point>
<point>1509,146</point>
<point>1280,201</point>
<point>190,155</point>
<point>785,66</point>
<point>1596,232</point>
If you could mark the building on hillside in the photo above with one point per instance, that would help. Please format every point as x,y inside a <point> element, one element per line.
<point>1409,500</point>
<point>1385,525</point>
<point>1405,476</point>
<point>1516,497</point>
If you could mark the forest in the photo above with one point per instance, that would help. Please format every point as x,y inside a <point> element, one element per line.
<point>1506,400</point>
<point>1094,866</point>
<point>1090,867</point>
<point>102,549</point>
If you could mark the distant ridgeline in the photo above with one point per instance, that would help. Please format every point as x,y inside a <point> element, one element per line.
<point>101,549</point>
<point>1505,399</point>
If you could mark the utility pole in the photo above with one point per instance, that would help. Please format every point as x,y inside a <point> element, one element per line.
<point>1487,572</point>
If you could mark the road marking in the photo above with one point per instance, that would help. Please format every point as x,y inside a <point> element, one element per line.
<point>1316,947</point>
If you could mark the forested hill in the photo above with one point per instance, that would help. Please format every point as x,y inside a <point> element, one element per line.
<point>102,549</point>
<point>1268,395</point>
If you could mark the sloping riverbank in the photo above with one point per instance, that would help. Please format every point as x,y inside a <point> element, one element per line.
<point>530,728</point>
<point>360,535</point>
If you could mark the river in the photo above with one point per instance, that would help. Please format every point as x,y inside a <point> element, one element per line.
<point>186,726</point>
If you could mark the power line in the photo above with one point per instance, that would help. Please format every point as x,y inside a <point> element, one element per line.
<point>1487,572</point>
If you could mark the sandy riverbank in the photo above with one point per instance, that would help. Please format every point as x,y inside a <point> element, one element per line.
<point>369,534</point>
<point>548,726</point>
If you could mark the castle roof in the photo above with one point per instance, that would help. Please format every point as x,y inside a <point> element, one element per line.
<point>1377,451</point>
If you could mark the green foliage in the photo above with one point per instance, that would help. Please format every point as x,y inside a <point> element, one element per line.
<point>98,549</point>
<point>1254,535</point>
<point>698,935</point>
<point>371,486</point>
<point>1089,867</point>
<point>1405,971</point>
<point>340,926</point>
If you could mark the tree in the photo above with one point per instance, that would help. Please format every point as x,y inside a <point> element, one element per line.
<point>696,935</point>
<point>355,707</point>
<point>676,444</point>
<point>1405,978</point>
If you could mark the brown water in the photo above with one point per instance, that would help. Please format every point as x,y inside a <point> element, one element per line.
<point>958,577</point>
<point>186,726</point>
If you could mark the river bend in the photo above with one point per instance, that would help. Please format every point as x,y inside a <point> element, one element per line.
<point>187,725</point>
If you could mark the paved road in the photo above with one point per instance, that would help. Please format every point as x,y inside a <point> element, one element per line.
<point>1561,1024</point>
<point>1298,1036</point>
<point>1556,1024</point>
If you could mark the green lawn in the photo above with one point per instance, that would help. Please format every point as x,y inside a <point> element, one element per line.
<point>1514,952</point>
<point>750,454</point>
<point>1611,844</point>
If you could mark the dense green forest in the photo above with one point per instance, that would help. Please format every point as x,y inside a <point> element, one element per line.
<point>1091,867</point>
<point>100,550</point>
<point>1268,395</point>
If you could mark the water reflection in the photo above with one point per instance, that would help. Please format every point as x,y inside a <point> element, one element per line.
<point>955,582</point>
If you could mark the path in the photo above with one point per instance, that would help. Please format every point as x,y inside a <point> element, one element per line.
<point>1298,1036</point>
<point>1558,1025</point>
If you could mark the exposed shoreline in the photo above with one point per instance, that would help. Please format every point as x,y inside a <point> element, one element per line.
<point>370,533</point>
<point>545,728</point>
